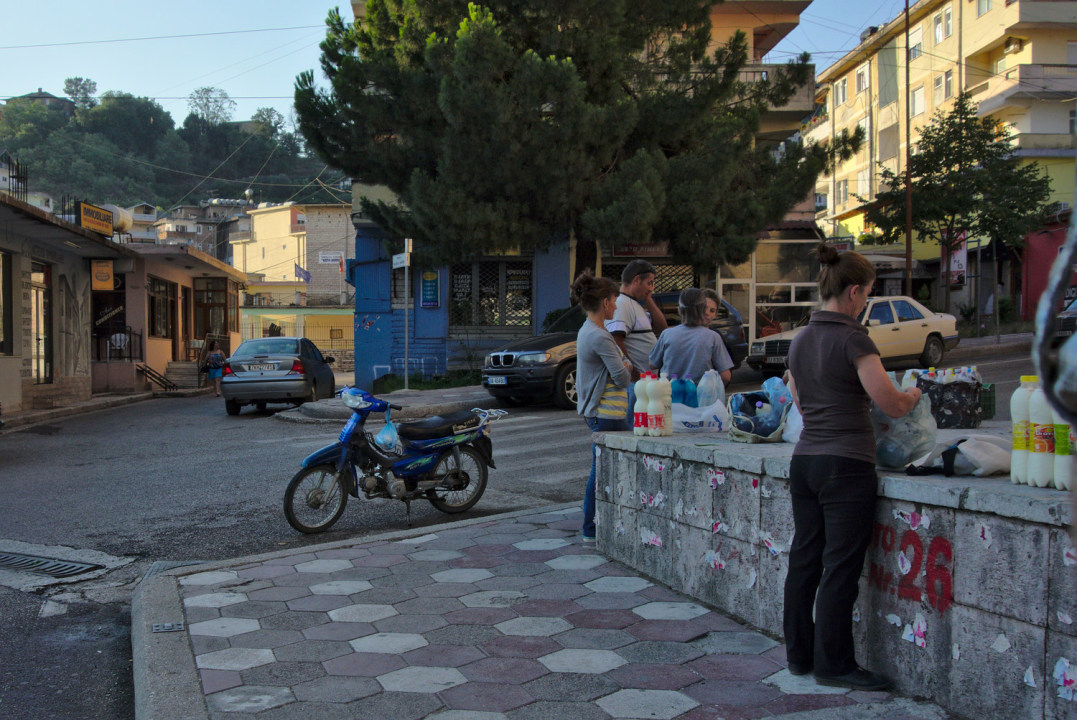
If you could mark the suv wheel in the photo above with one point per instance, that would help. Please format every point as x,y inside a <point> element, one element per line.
<point>564,387</point>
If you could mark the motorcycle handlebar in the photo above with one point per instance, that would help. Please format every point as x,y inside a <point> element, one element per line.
<point>395,407</point>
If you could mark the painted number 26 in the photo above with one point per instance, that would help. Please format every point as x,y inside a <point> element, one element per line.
<point>940,585</point>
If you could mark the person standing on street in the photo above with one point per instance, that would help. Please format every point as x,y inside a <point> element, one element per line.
<point>637,322</point>
<point>215,365</point>
<point>836,374</point>
<point>692,348</point>
<point>602,374</point>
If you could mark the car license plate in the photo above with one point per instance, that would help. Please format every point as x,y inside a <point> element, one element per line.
<point>775,360</point>
<point>1063,333</point>
<point>262,366</point>
<point>497,380</point>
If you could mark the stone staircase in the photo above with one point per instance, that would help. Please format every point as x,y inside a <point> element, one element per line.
<point>184,374</point>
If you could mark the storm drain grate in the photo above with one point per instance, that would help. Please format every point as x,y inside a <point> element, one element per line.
<point>45,566</point>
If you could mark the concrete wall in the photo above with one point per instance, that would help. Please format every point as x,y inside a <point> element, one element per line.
<point>969,590</point>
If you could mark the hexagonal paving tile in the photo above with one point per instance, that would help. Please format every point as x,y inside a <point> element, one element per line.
<point>362,613</point>
<point>323,566</point>
<point>422,679</point>
<point>533,626</point>
<point>466,715</point>
<point>213,577</point>
<point>489,697</point>
<point>335,689</point>
<point>541,544</point>
<point>224,627</point>
<point>582,661</point>
<point>461,575</point>
<point>235,659</point>
<point>389,643</point>
<point>340,587</point>
<point>249,699</point>
<point>215,600</point>
<point>618,584</point>
<point>670,611</point>
<point>576,562</point>
<point>435,555</point>
<point>663,704</point>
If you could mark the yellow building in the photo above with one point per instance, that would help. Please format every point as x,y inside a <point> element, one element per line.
<point>296,256</point>
<point>1018,59</point>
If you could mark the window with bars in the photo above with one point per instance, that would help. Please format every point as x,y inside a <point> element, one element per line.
<point>492,293</point>
<point>162,307</point>
<point>667,278</point>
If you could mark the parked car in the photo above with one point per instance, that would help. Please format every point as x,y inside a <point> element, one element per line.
<point>902,329</point>
<point>276,370</point>
<point>1065,325</point>
<point>544,366</point>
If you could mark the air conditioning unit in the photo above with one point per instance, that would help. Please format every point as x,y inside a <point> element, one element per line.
<point>1013,45</point>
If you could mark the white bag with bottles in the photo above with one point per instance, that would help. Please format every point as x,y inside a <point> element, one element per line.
<point>712,418</point>
<point>710,389</point>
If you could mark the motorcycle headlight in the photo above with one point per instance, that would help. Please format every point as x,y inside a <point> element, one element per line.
<point>532,358</point>
<point>356,401</point>
<point>758,348</point>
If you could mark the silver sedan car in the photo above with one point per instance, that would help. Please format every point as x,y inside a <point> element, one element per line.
<point>275,370</point>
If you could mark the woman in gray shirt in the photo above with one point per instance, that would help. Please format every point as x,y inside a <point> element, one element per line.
<point>602,374</point>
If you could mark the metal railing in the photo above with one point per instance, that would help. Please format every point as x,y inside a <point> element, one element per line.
<point>117,344</point>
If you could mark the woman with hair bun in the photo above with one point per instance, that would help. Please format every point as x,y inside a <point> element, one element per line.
<point>602,374</point>
<point>836,374</point>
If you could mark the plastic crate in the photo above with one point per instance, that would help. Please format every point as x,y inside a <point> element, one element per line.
<point>987,401</point>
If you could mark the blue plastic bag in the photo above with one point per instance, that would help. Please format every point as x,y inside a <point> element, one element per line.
<point>900,441</point>
<point>387,438</point>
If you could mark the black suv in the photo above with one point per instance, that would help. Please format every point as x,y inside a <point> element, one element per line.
<point>544,366</point>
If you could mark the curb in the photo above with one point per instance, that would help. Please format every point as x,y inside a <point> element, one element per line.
<point>31,417</point>
<point>331,415</point>
<point>167,683</point>
<point>973,351</point>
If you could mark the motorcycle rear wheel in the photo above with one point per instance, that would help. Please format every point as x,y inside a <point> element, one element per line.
<point>455,494</point>
<point>315,499</point>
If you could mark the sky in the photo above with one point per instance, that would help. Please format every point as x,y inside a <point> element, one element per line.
<point>140,48</point>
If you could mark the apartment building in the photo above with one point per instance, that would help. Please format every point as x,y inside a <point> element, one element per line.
<point>1018,59</point>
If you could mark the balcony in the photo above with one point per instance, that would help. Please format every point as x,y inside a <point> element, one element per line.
<point>298,228</point>
<point>781,122</point>
<point>1022,85</point>
<point>243,236</point>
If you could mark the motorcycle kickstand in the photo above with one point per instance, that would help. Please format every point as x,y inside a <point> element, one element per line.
<point>407,505</point>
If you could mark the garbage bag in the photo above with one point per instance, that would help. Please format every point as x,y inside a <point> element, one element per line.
<point>900,441</point>
<point>753,418</point>
<point>953,404</point>
<point>710,389</point>
<point>794,424</point>
<point>712,418</point>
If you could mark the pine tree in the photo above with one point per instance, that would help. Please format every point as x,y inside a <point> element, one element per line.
<point>516,124</point>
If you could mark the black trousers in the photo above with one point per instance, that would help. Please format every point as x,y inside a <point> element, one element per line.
<point>833,511</point>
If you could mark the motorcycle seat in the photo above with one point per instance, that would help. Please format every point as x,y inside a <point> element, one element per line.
<point>438,426</point>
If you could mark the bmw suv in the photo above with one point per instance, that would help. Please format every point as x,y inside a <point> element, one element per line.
<point>544,366</point>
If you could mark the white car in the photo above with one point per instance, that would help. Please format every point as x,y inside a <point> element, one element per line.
<point>902,329</point>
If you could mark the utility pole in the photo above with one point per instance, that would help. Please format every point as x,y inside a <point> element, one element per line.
<point>908,161</point>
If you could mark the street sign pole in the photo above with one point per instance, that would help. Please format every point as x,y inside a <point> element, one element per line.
<point>404,260</point>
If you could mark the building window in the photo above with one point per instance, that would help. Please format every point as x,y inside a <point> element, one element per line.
<point>864,124</point>
<point>841,192</point>
<point>162,307</point>
<point>1073,122</point>
<point>944,86</point>
<point>944,24</point>
<point>1000,66</point>
<point>982,6</point>
<point>7,328</point>
<point>917,99</point>
<point>863,184</point>
<point>492,293</point>
<point>820,198</point>
<point>841,92</point>
<point>216,306</point>
<point>863,78</point>
<point>916,42</point>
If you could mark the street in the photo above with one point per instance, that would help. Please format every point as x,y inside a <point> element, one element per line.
<point>177,480</point>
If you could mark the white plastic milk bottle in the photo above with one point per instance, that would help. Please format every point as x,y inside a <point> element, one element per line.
<point>655,411</point>
<point>1041,437</point>
<point>666,394</point>
<point>639,410</point>
<point>1019,419</point>
<point>1063,453</point>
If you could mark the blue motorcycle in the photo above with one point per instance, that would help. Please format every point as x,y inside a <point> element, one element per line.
<point>442,459</point>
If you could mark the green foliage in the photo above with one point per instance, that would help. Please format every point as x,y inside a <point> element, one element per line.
<point>1006,309</point>
<point>81,91</point>
<point>924,296</point>
<point>211,105</point>
<point>514,124</point>
<point>126,149</point>
<point>967,311</point>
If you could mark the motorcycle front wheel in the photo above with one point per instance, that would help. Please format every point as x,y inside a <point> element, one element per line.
<point>461,486</point>
<point>315,499</point>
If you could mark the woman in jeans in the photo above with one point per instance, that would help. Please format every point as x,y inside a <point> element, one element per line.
<point>602,374</point>
<point>836,374</point>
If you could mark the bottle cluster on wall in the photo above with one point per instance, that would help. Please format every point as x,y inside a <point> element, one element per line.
<point>653,412</point>
<point>1043,442</point>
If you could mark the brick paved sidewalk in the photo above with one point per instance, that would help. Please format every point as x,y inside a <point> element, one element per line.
<point>513,617</point>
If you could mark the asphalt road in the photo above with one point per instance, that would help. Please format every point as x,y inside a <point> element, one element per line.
<point>179,480</point>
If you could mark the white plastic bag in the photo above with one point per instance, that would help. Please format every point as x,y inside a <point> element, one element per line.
<point>387,438</point>
<point>710,389</point>
<point>712,418</point>
<point>979,455</point>
<point>900,441</point>
<point>794,423</point>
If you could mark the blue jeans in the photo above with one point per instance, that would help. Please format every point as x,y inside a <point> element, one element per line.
<point>596,425</point>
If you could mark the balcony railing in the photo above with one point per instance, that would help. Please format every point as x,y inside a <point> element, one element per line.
<point>299,228</point>
<point>1039,80</point>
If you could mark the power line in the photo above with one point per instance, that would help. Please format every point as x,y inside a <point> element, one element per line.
<point>157,37</point>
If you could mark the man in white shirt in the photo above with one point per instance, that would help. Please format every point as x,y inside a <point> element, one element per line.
<point>638,321</point>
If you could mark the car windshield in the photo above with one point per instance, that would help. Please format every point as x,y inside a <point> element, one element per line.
<point>571,321</point>
<point>1072,307</point>
<point>268,346</point>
